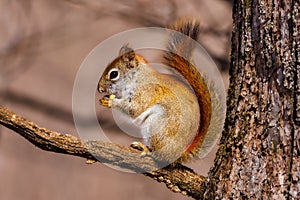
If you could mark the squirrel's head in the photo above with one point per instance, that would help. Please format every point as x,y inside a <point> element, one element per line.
<point>119,68</point>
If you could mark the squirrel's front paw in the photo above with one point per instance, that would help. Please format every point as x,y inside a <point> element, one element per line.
<point>106,101</point>
<point>141,147</point>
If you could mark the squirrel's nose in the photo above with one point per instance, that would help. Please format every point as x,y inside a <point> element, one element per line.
<point>100,89</point>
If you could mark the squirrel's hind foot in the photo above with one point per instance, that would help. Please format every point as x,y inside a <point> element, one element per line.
<point>141,147</point>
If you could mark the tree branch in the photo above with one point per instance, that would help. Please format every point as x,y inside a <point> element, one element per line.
<point>177,178</point>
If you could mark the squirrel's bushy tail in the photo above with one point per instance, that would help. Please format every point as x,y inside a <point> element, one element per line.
<point>179,43</point>
<point>179,57</point>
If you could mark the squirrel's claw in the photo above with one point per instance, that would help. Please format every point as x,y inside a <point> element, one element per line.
<point>141,147</point>
<point>105,102</point>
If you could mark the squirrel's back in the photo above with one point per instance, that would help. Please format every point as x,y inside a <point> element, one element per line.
<point>179,57</point>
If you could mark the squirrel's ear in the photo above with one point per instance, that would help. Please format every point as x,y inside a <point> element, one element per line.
<point>127,52</point>
<point>125,49</point>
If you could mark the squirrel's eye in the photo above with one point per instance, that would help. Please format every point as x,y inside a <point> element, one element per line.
<point>113,74</point>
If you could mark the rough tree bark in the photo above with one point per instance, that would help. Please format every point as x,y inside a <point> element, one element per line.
<point>259,153</point>
<point>258,157</point>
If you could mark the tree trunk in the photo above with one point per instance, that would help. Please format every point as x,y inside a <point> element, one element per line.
<point>259,151</point>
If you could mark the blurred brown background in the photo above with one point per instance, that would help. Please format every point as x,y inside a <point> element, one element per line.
<point>42,44</point>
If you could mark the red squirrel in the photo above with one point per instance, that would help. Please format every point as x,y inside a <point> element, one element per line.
<point>177,122</point>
